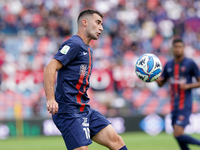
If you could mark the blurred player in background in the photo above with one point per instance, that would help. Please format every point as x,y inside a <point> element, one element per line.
<point>180,71</point>
<point>71,113</point>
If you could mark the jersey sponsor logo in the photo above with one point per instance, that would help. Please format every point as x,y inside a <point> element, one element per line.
<point>174,80</point>
<point>65,49</point>
<point>177,80</point>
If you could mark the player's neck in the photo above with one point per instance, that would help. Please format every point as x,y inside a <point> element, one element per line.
<point>85,39</point>
<point>178,59</point>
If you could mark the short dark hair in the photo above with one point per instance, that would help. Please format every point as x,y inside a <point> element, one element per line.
<point>88,12</point>
<point>177,41</point>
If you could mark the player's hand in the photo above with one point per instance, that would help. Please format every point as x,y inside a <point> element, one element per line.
<point>184,86</point>
<point>52,106</point>
<point>160,79</point>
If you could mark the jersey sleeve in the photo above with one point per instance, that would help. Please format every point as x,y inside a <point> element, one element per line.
<point>195,70</point>
<point>164,73</point>
<point>67,51</point>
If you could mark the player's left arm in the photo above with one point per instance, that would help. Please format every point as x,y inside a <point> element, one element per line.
<point>191,85</point>
<point>163,78</point>
<point>196,73</point>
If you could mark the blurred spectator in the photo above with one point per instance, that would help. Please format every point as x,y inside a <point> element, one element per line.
<point>32,31</point>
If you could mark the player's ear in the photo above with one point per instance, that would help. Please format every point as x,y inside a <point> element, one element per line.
<point>84,22</point>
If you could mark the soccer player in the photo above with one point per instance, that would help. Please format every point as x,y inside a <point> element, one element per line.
<point>71,113</point>
<point>180,71</point>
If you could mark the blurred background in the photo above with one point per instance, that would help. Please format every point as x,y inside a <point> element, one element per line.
<point>32,31</point>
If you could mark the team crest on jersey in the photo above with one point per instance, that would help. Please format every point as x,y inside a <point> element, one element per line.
<point>183,69</point>
<point>83,69</point>
<point>65,49</point>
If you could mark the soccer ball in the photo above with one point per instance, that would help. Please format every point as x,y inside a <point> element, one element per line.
<point>148,67</point>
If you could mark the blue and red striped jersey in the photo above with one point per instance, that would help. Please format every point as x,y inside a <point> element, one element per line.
<point>177,73</point>
<point>73,77</point>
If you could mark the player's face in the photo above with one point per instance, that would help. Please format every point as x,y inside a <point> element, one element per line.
<point>94,27</point>
<point>178,49</point>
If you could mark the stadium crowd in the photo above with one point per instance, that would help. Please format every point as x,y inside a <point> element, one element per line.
<point>32,31</point>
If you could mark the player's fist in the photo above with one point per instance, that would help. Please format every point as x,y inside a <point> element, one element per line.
<point>52,106</point>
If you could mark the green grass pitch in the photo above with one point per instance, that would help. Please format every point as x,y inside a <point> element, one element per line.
<point>133,140</point>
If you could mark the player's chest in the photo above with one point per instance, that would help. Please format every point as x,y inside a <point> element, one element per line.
<point>84,57</point>
<point>178,70</point>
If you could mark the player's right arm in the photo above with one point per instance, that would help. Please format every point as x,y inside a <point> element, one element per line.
<point>163,78</point>
<point>49,80</point>
<point>160,81</point>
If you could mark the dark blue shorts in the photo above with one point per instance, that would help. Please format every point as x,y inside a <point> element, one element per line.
<point>78,129</point>
<point>180,117</point>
